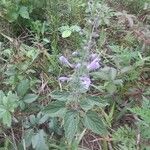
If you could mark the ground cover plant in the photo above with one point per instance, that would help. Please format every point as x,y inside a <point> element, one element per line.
<point>74,75</point>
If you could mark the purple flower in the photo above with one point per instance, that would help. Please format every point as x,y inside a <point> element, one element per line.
<point>85,81</point>
<point>63,60</point>
<point>93,56</point>
<point>63,79</point>
<point>94,64</point>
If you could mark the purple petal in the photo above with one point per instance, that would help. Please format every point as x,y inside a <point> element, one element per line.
<point>63,60</point>
<point>94,64</point>
<point>85,81</point>
<point>93,56</point>
<point>63,79</point>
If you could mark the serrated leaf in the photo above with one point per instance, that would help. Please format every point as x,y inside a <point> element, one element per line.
<point>106,73</point>
<point>7,118</point>
<point>60,96</point>
<point>12,97</point>
<point>43,119</point>
<point>28,136</point>
<point>111,88</point>
<point>89,102</point>
<point>71,122</point>
<point>12,16</point>
<point>55,109</point>
<point>23,87</point>
<point>93,122</point>
<point>23,11</point>
<point>39,142</point>
<point>66,33</point>
<point>102,38</point>
<point>100,75</point>
<point>113,73</point>
<point>2,111</point>
<point>1,95</point>
<point>29,98</point>
<point>32,119</point>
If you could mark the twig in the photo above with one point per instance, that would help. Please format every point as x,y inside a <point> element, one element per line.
<point>14,141</point>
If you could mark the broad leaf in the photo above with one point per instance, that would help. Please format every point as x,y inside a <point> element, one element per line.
<point>89,102</point>
<point>2,111</point>
<point>28,136</point>
<point>111,88</point>
<point>1,95</point>
<point>106,73</point>
<point>7,118</point>
<point>60,96</point>
<point>24,12</point>
<point>39,141</point>
<point>113,73</point>
<point>66,33</point>
<point>29,98</point>
<point>23,87</point>
<point>55,109</point>
<point>75,28</point>
<point>43,119</point>
<point>71,122</point>
<point>93,122</point>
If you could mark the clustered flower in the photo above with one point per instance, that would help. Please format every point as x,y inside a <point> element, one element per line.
<point>92,64</point>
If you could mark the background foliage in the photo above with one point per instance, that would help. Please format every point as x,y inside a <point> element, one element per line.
<point>74,74</point>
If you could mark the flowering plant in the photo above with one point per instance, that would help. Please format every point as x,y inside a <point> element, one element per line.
<point>75,106</point>
<point>84,78</point>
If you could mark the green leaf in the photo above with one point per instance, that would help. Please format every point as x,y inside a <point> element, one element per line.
<point>1,95</point>
<point>102,38</point>
<point>12,16</point>
<point>93,122</point>
<point>111,88</point>
<point>43,119</point>
<point>102,74</point>
<point>11,101</point>
<point>32,119</point>
<point>55,109</point>
<point>29,98</point>
<point>60,96</point>
<point>75,28</point>
<point>118,82</point>
<point>126,69</point>
<point>106,73</point>
<point>2,111</point>
<point>39,141</point>
<point>28,137</point>
<point>66,33</point>
<point>113,73</point>
<point>23,11</point>
<point>64,28</point>
<point>71,122</point>
<point>89,102</point>
<point>23,87</point>
<point>7,118</point>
